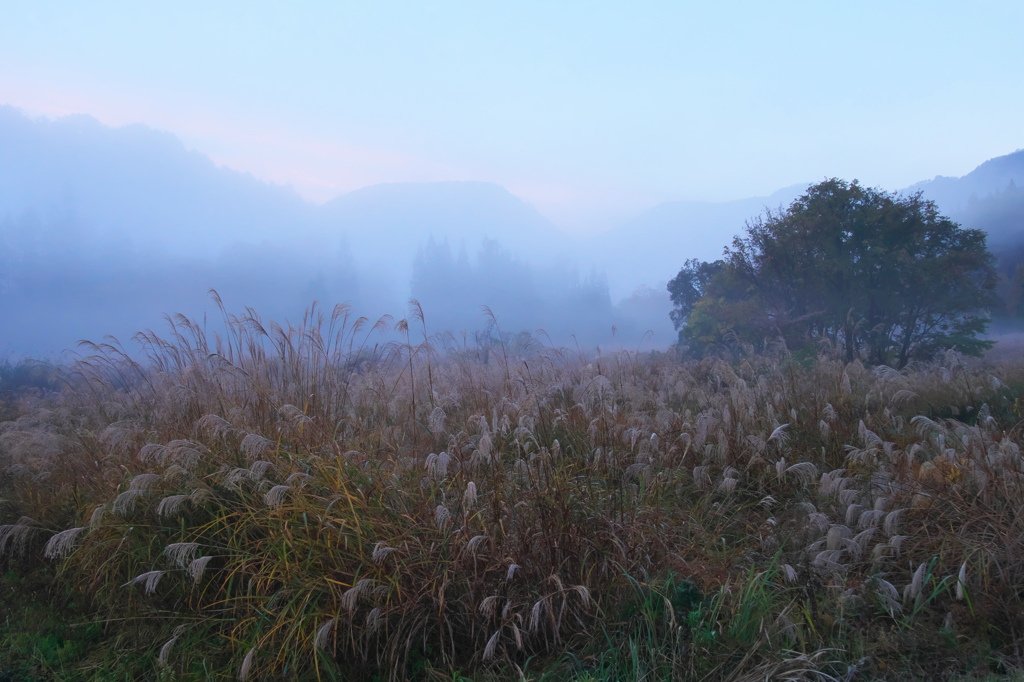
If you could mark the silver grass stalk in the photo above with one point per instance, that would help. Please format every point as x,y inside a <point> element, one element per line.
<point>216,426</point>
<point>847,496</point>
<point>143,482</point>
<point>247,663</point>
<point>323,635</point>
<point>870,518</point>
<point>519,641</point>
<point>584,594</point>
<point>294,414</point>
<point>61,544</point>
<point>511,571</point>
<point>436,421</point>
<point>200,496</point>
<point>864,537</point>
<point>374,620</point>
<point>165,650</point>
<point>150,580</point>
<point>836,535</point>
<point>125,502</point>
<point>153,452</point>
<point>892,520</point>
<point>828,561</point>
<point>805,472</point>
<point>488,606</point>
<point>184,453</point>
<point>197,567</point>
<point>437,465</point>
<point>381,552</point>
<point>821,521</point>
<point>925,426</point>
<point>961,580</point>
<point>701,478</point>
<point>441,516</point>
<point>853,548</point>
<point>182,553</point>
<point>170,505</point>
<point>885,588</point>
<point>916,583</point>
<point>483,448</point>
<point>275,496</point>
<point>853,513</point>
<point>255,445</point>
<point>259,469</point>
<point>350,598</point>
<point>889,596</point>
<point>175,473</point>
<point>779,435</point>
<point>492,645</point>
<point>896,541</point>
<point>536,614</point>
<point>474,543</point>
<point>97,516</point>
<point>469,497</point>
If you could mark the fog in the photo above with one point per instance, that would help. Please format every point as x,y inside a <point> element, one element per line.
<point>104,231</point>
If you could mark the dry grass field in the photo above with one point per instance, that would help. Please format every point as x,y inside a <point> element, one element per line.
<point>314,503</point>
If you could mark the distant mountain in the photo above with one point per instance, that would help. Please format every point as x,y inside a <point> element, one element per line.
<point>991,198</point>
<point>391,222</point>
<point>650,248</point>
<point>103,230</point>
<point>953,195</point>
<point>140,186</point>
<point>134,185</point>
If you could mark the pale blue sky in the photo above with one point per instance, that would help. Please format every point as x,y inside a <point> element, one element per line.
<point>589,110</point>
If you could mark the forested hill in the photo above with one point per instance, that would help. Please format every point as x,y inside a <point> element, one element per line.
<point>991,197</point>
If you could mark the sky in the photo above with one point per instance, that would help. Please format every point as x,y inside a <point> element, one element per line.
<point>590,111</point>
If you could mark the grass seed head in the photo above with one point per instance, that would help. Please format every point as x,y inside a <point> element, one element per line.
<point>170,505</point>
<point>247,664</point>
<point>322,641</point>
<point>182,553</point>
<point>197,567</point>
<point>61,544</point>
<point>381,552</point>
<point>149,580</point>
<point>275,496</point>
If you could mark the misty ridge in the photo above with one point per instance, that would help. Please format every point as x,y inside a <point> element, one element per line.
<point>103,231</point>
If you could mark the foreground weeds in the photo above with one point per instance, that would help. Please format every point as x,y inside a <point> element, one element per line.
<point>312,503</point>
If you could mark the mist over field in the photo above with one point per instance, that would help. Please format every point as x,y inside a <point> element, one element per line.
<point>104,230</point>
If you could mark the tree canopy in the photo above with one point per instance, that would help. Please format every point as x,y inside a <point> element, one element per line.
<point>883,276</point>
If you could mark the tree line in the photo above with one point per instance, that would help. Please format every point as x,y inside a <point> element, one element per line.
<point>882,276</point>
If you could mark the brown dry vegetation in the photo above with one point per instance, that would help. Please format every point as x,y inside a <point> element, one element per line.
<point>307,503</point>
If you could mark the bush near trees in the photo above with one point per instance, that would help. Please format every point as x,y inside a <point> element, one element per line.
<point>883,276</point>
